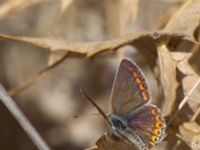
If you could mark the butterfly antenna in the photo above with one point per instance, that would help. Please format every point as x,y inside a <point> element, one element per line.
<point>184,101</point>
<point>96,106</point>
<point>77,116</point>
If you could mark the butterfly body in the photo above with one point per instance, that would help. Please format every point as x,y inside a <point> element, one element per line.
<point>132,116</point>
<point>117,121</point>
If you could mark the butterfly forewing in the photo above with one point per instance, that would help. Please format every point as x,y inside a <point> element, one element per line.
<point>129,90</point>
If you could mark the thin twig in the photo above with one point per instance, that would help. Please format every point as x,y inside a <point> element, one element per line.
<point>37,77</point>
<point>184,101</point>
<point>195,115</point>
<point>22,120</point>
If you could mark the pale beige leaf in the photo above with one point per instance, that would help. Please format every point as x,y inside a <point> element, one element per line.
<point>178,56</point>
<point>89,48</point>
<point>190,134</point>
<point>184,66</point>
<point>167,71</point>
<point>186,20</point>
<point>144,42</point>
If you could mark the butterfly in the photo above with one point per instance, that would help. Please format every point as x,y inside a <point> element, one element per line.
<point>133,118</point>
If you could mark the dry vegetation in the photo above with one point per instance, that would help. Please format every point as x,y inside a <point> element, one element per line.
<point>51,48</point>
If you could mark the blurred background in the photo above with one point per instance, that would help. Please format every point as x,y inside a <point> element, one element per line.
<point>51,102</point>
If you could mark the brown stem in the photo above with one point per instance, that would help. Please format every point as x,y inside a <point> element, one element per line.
<point>37,77</point>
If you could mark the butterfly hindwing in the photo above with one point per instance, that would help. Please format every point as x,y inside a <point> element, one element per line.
<point>130,89</point>
<point>148,124</point>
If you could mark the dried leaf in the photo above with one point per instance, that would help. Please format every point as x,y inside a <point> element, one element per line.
<point>51,43</point>
<point>191,78</point>
<point>178,56</point>
<point>186,20</point>
<point>190,134</point>
<point>184,66</point>
<point>194,60</point>
<point>90,48</point>
<point>144,42</point>
<point>167,71</point>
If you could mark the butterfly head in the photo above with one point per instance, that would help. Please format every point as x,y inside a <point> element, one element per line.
<point>117,122</point>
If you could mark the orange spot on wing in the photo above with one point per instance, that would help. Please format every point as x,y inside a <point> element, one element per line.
<point>156,131</point>
<point>144,96</point>
<point>157,124</point>
<point>137,80</point>
<point>153,138</point>
<point>141,87</point>
<point>134,75</point>
<point>158,118</point>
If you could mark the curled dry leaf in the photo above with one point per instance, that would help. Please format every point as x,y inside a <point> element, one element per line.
<point>89,48</point>
<point>179,56</point>
<point>194,59</point>
<point>191,77</point>
<point>184,66</point>
<point>190,134</point>
<point>167,71</point>
<point>144,42</point>
<point>186,20</point>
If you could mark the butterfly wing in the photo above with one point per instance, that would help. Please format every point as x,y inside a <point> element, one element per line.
<point>148,124</point>
<point>129,90</point>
